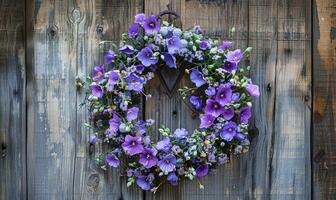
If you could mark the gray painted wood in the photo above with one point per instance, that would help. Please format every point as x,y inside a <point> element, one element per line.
<point>12,101</point>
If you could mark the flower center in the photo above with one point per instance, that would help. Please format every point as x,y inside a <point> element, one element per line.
<point>148,55</point>
<point>230,129</point>
<point>222,95</point>
<point>133,143</point>
<point>216,106</point>
<point>100,74</point>
<point>167,161</point>
<point>149,156</point>
<point>152,24</point>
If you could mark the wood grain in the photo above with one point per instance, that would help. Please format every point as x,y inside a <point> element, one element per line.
<point>12,101</point>
<point>324,104</point>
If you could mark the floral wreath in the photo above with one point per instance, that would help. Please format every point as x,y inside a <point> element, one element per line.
<point>224,103</point>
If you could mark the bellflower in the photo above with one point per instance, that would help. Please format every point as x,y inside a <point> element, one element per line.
<point>140,18</point>
<point>196,101</point>
<point>204,45</point>
<point>148,158</point>
<point>210,91</point>
<point>112,160</point>
<point>224,94</point>
<point>127,49</point>
<point>133,31</point>
<point>167,164</point>
<point>169,59</point>
<point>225,45</point>
<point>197,78</point>
<point>134,82</point>
<point>164,145</point>
<point>143,183</point>
<point>132,114</point>
<point>213,108</point>
<point>109,57</point>
<point>222,159</point>
<point>98,73</point>
<point>173,44</point>
<point>132,145</point>
<point>234,56</point>
<point>230,66</point>
<point>229,131</point>
<point>235,97</point>
<point>93,139</point>
<point>206,120</point>
<point>202,170</point>
<point>245,114</point>
<point>181,133</point>
<point>114,123</point>
<point>228,112</point>
<point>139,68</point>
<point>145,56</point>
<point>151,25</point>
<point>240,136</point>
<point>172,178</point>
<point>252,90</point>
<point>112,81</point>
<point>97,91</point>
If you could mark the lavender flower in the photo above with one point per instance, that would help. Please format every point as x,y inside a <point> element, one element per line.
<point>132,145</point>
<point>133,31</point>
<point>197,29</point>
<point>253,90</point>
<point>109,57</point>
<point>173,44</point>
<point>139,68</point>
<point>181,133</point>
<point>222,159</point>
<point>240,136</point>
<point>225,45</point>
<point>140,18</point>
<point>134,82</point>
<point>163,145</point>
<point>210,91</point>
<point>204,45</point>
<point>228,112</point>
<point>146,57</point>
<point>235,97</point>
<point>224,94</point>
<point>93,139</point>
<point>229,131</point>
<point>202,170</point>
<point>97,91</point>
<point>172,178</point>
<point>132,114</point>
<point>196,101</point>
<point>206,120</point>
<point>113,79</point>
<point>167,164</point>
<point>213,108</point>
<point>114,123</point>
<point>143,183</point>
<point>197,78</point>
<point>127,49</point>
<point>112,160</point>
<point>234,56</point>
<point>245,114</point>
<point>98,73</point>
<point>148,158</point>
<point>151,25</point>
<point>229,66</point>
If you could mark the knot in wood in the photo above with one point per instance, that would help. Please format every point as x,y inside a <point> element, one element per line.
<point>93,182</point>
<point>52,31</point>
<point>76,15</point>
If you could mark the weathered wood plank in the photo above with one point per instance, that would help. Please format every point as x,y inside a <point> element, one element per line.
<point>12,101</point>
<point>324,107</point>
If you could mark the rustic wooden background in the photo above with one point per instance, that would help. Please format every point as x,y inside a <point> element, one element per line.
<point>45,44</point>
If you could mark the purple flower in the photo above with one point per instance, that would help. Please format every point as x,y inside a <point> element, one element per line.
<point>181,133</point>
<point>113,78</point>
<point>196,101</point>
<point>170,60</point>
<point>245,114</point>
<point>174,44</point>
<point>139,68</point>
<point>133,31</point>
<point>172,178</point>
<point>112,160</point>
<point>167,164</point>
<point>225,44</point>
<point>235,97</point>
<point>97,91</point>
<point>224,94</point>
<point>240,136</point>
<point>146,57</point>
<point>213,108</point>
<point>228,112</point>
<point>210,91</point>
<point>109,57</point>
<point>163,145</point>
<point>132,145</point>
<point>197,29</point>
<point>204,45</point>
<point>202,170</point>
<point>207,120</point>
<point>252,89</point>
<point>197,78</point>
<point>228,131</point>
<point>114,123</point>
<point>140,18</point>
<point>127,49</point>
<point>143,183</point>
<point>93,139</point>
<point>134,82</point>
<point>151,25</point>
<point>132,114</point>
<point>222,159</point>
<point>229,66</point>
<point>148,158</point>
<point>98,73</point>
<point>234,56</point>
